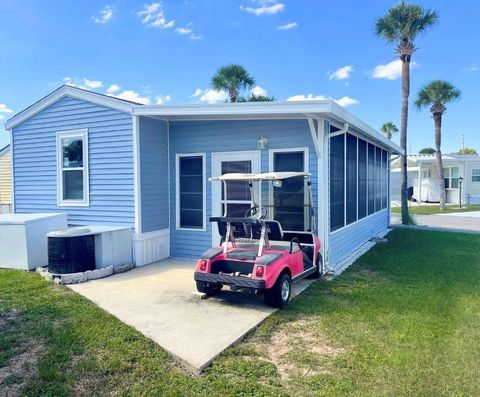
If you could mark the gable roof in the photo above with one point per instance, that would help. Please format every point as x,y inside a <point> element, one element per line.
<point>73,92</point>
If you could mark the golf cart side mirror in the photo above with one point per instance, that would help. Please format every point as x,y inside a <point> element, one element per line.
<point>277,183</point>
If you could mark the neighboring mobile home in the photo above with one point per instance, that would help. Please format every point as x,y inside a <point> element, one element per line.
<point>461,172</point>
<point>106,161</point>
<point>5,180</point>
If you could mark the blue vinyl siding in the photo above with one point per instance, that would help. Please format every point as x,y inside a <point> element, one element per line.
<point>346,240</point>
<point>225,136</point>
<point>110,162</point>
<point>154,174</point>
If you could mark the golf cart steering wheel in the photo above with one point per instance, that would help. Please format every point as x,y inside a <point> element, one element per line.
<point>254,212</point>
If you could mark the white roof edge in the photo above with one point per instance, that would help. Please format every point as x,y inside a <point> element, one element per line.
<point>63,91</point>
<point>264,176</point>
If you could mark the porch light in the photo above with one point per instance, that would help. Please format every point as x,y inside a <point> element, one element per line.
<point>262,143</point>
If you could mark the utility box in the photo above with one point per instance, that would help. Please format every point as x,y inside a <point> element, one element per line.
<point>23,239</point>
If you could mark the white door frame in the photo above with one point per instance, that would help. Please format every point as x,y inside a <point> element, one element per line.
<point>217,157</point>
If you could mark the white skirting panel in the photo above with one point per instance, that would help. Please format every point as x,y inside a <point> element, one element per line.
<point>151,247</point>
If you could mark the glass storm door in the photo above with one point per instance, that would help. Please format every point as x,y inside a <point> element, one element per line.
<point>238,198</point>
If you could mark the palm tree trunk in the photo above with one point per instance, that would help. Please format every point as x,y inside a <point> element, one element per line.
<point>233,94</point>
<point>437,117</point>
<point>403,137</point>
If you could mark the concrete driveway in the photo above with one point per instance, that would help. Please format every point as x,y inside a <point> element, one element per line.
<point>157,300</point>
<point>466,222</point>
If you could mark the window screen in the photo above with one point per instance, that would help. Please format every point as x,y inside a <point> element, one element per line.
<point>371,179</point>
<point>362,179</point>
<point>385,186</point>
<point>289,199</point>
<point>191,192</point>
<point>337,181</point>
<point>476,175</point>
<point>351,181</point>
<point>378,179</point>
<point>72,168</point>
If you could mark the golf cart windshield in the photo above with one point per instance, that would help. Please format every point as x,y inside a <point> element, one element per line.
<point>276,179</point>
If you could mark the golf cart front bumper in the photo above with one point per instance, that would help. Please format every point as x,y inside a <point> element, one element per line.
<point>236,281</point>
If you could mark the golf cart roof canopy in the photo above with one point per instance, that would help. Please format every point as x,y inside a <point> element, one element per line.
<point>267,176</point>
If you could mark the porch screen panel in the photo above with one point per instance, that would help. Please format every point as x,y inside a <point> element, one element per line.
<point>371,179</point>
<point>337,182</point>
<point>362,179</point>
<point>378,179</point>
<point>351,181</point>
<point>191,192</point>
<point>289,199</point>
<point>385,186</point>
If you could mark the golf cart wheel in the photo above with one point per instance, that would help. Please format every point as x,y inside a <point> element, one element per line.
<point>279,295</point>
<point>318,265</point>
<point>210,290</point>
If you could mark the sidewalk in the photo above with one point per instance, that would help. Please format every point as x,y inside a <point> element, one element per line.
<point>446,222</point>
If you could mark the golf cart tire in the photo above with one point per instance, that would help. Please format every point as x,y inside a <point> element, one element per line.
<point>273,296</point>
<point>208,289</point>
<point>317,273</point>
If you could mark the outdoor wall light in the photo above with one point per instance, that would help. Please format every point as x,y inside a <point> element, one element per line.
<point>262,143</point>
<point>460,180</point>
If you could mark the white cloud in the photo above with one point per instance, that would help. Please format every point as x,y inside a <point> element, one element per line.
<point>259,91</point>
<point>288,26</point>
<point>84,84</point>
<point>342,73</point>
<point>390,71</point>
<point>347,101</point>
<point>162,99</point>
<point>113,89</point>
<point>133,96</point>
<point>105,15</point>
<point>344,101</point>
<point>185,30</point>
<point>5,109</point>
<point>210,95</point>
<point>92,84</point>
<point>196,37</point>
<point>264,7</point>
<point>153,16</point>
<point>473,68</point>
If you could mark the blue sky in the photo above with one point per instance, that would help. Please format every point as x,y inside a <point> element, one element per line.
<point>167,52</point>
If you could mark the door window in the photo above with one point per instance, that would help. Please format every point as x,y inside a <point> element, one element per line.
<point>238,199</point>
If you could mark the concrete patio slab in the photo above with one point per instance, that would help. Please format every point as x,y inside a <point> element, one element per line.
<point>157,300</point>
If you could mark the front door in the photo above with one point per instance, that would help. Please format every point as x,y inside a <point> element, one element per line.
<point>238,199</point>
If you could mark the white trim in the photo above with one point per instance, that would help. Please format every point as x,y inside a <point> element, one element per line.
<point>83,134</point>
<point>169,169</point>
<point>356,222</point>
<point>64,91</point>
<point>137,176</point>
<point>12,174</point>
<point>178,156</point>
<point>306,168</point>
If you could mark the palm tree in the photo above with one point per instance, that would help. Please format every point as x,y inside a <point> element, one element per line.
<point>402,24</point>
<point>256,98</point>
<point>232,78</point>
<point>389,129</point>
<point>436,95</point>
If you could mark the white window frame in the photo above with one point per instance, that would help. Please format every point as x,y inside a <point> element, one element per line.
<point>475,173</point>
<point>306,166</point>
<point>61,202</point>
<point>178,156</point>
<point>450,167</point>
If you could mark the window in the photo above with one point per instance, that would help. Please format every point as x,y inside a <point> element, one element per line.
<point>191,191</point>
<point>72,164</point>
<point>378,179</point>
<point>384,179</point>
<point>371,179</point>
<point>362,179</point>
<point>238,199</point>
<point>451,175</point>
<point>337,182</point>
<point>476,175</point>
<point>427,173</point>
<point>351,178</point>
<point>289,200</point>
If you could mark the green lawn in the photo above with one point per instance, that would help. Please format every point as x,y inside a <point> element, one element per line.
<point>404,320</point>
<point>435,209</point>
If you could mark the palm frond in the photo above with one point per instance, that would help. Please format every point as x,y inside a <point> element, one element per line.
<point>437,92</point>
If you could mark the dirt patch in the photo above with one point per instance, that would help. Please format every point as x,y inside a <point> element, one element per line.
<point>298,348</point>
<point>6,317</point>
<point>19,370</point>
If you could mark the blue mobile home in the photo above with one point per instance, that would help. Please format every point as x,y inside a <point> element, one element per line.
<point>106,161</point>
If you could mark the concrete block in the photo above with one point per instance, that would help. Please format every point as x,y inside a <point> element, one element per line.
<point>199,295</point>
<point>73,278</point>
<point>123,268</point>
<point>99,273</point>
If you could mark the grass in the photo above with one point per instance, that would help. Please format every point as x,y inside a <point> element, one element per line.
<point>435,209</point>
<point>404,320</point>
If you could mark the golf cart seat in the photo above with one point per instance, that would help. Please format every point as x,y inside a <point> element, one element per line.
<point>242,254</point>
<point>274,230</point>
